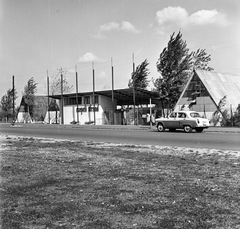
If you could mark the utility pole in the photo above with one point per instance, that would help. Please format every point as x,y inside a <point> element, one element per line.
<point>48,98</point>
<point>93,100</point>
<point>62,120</point>
<point>134,100</point>
<point>13,90</point>
<point>150,101</point>
<point>113,107</point>
<point>77,93</point>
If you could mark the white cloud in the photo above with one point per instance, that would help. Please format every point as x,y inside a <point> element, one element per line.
<point>178,16</point>
<point>169,15</point>
<point>110,26</point>
<point>129,27</point>
<point>123,26</point>
<point>204,17</point>
<point>89,57</point>
<point>102,75</point>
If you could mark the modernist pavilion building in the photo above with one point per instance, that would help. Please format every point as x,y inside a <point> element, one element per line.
<point>203,91</point>
<point>105,107</point>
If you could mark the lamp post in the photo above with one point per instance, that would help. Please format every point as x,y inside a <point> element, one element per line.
<point>112,89</point>
<point>62,121</point>
<point>48,98</point>
<point>13,91</point>
<point>134,100</point>
<point>93,100</point>
<point>77,93</point>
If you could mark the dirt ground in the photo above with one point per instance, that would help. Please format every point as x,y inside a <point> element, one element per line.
<point>47,183</point>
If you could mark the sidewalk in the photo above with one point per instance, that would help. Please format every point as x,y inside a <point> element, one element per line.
<point>223,129</point>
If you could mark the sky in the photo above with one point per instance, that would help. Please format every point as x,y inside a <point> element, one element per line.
<point>40,37</point>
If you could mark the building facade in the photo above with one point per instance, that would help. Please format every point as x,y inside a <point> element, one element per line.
<point>205,90</point>
<point>110,107</point>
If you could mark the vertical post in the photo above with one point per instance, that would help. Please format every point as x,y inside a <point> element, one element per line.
<point>231,115</point>
<point>13,90</point>
<point>150,101</point>
<point>94,115</point>
<point>62,120</point>
<point>204,111</point>
<point>77,94</point>
<point>48,98</point>
<point>112,90</point>
<point>134,100</point>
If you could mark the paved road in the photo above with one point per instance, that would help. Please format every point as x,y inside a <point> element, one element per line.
<point>208,139</point>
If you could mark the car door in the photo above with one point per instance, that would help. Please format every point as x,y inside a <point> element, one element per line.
<point>182,119</point>
<point>171,122</point>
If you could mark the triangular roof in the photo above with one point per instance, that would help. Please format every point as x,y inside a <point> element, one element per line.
<point>219,85</point>
<point>41,103</point>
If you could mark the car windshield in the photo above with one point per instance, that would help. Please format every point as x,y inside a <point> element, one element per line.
<point>195,115</point>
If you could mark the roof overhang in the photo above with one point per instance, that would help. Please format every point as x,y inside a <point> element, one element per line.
<point>122,96</point>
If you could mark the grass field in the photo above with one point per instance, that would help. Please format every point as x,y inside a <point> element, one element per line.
<point>69,184</point>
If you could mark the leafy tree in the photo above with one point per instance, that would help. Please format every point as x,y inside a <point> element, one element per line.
<point>29,95</point>
<point>201,59</point>
<point>7,103</point>
<point>55,85</point>
<point>236,116</point>
<point>220,112</point>
<point>174,66</point>
<point>139,76</point>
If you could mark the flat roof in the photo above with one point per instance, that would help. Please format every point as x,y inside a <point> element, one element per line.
<point>123,96</point>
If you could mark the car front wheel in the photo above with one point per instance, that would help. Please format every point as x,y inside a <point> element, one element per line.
<point>187,129</point>
<point>160,127</point>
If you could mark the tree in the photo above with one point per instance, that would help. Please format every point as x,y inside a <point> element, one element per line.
<point>201,59</point>
<point>139,76</point>
<point>174,66</point>
<point>7,103</point>
<point>29,95</point>
<point>56,84</point>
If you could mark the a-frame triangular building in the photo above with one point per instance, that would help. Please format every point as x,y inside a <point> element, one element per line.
<point>207,89</point>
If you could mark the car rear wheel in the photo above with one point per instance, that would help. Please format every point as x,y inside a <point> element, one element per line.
<point>160,127</point>
<point>187,129</point>
<point>199,130</point>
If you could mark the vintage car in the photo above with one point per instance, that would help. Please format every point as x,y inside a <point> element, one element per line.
<point>186,120</point>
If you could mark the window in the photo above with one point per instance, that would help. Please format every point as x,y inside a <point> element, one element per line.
<point>72,101</point>
<point>173,115</point>
<point>79,100</point>
<point>181,115</point>
<point>195,115</point>
<point>86,99</point>
<point>96,99</point>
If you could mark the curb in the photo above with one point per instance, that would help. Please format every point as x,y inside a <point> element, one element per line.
<point>131,127</point>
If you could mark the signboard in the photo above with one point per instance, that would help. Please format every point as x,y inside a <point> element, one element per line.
<point>81,109</point>
<point>93,109</point>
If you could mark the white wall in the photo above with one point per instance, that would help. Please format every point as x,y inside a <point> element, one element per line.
<point>70,114</point>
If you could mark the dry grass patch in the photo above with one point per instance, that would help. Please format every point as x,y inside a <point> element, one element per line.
<point>70,184</point>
